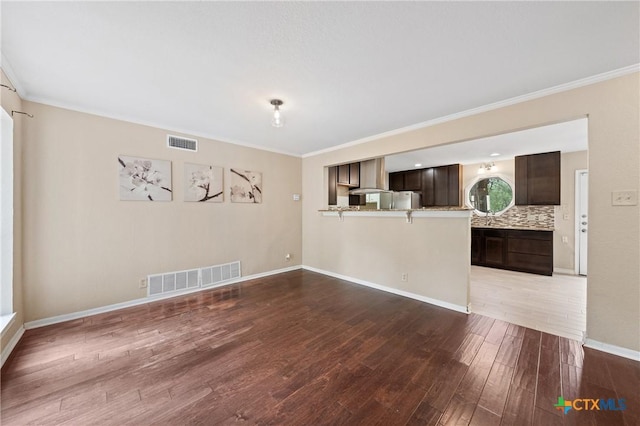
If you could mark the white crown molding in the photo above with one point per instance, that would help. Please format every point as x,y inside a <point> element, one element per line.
<point>496,105</point>
<point>13,78</point>
<point>155,125</point>
<point>6,351</point>
<point>136,302</point>
<point>612,349</point>
<point>436,302</point>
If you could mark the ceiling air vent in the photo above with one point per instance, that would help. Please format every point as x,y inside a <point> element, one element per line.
<point>185,144</point>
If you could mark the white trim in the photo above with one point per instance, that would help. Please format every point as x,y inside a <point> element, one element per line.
<point>100,310</point>
<point>13,78</point>
<point>477,179</point>
<point>564,271</point>
<point>576,218</point>
<point>436,302</point>
<point>496,105</point>
<point>612,349</point>
<point>5,322</point>
<point>6,351</point>
<point>398,213</point>
<point>156,125</point>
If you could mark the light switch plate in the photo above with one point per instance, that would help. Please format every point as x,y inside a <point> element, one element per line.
<point>296,197</point>
<point>624,198</point>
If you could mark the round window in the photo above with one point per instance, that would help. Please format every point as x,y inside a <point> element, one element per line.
<point>490,195</point>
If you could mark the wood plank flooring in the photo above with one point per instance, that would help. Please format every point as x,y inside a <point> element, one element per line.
<point>555,305</point>
<point>302,348</point>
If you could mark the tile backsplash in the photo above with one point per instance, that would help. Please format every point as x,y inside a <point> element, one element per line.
<point>541,217</point>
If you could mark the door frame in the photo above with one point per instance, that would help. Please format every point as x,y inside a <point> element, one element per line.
<point>576,218</point>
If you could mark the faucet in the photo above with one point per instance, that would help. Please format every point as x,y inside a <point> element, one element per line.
<point>489,218</point>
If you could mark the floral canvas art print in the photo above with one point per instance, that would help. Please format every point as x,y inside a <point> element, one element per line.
<point>203,183</point>
<point>144,179</point>
<point>246,186</point>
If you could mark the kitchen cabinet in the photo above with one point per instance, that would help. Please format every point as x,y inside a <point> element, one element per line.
<point>345,175</point>
<point>439,186</point>
<point>517,250</point>
<point>413,180</point>
<point>396,181</point>
<point>538,179</point>
<point>428,187</point>
<point>530,251</point>
<point>333,185</point>
<point>446,183</point>
<point>349,175</point>
<point>354,175</point>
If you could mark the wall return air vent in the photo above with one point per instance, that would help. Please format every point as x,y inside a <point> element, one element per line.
<point>185,144</point>
<point>181,281</point>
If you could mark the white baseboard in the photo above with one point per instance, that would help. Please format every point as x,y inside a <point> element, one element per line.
<point>612,349</point>
<point>564,271</point>
<point>436,302</point>
<point>135,302</point>
<point>6,351</point>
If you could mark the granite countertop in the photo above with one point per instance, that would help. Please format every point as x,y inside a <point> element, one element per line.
<point>519,228</point>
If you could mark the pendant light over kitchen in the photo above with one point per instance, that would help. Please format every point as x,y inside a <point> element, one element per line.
<point>277,120</point>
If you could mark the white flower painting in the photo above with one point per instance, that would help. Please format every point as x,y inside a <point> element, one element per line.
<point>246,186</point>
<point>203,183</point>
<point>144,179</point>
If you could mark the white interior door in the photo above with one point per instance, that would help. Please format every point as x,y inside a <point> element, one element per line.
<point>582,219</point>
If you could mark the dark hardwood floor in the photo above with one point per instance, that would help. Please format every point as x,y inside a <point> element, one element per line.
<point>302,348</point>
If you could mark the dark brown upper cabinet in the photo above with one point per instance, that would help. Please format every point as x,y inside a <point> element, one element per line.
<point>428,187</point>
<point>413,180</point>
<point>333,185</point>
<point>396,181</point>
<point>439,186</point>
<point>538,179</point>
<point>446,181</point>
<point>349,175</point>
<point>344,174</point>
<point>354,174</point>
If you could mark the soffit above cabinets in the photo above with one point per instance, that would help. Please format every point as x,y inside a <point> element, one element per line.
<point>569,136</point>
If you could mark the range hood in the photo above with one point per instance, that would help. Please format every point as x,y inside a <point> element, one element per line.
<point>373,178</point>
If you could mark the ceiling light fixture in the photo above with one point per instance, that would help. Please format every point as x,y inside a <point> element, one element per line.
<point>277,120</point>
<point>418,165</point>
<point>494,154</point>
<point>487,167</point>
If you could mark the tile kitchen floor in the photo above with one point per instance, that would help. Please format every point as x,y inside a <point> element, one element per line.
<point>555,305</point>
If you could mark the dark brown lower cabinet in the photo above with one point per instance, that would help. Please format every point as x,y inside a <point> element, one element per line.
<point>513,249</point>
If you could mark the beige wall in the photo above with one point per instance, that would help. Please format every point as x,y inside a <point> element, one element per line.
<point>613,312</point>
<point>433,252</point>
<point>564,253</point>
<point>83,248</point>
<point>11,101</point>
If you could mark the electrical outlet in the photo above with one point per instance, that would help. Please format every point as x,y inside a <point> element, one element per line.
<point>287,257</point>
<point>565,239</point>
<point>624,198</point>
<point>143,283</point>
<point>405,277</point>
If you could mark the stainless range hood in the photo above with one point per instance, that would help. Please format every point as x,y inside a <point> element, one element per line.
<point>373,178</point>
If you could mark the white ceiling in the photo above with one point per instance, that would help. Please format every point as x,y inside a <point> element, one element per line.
<point>569,136</point>
<point>345,70</point>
